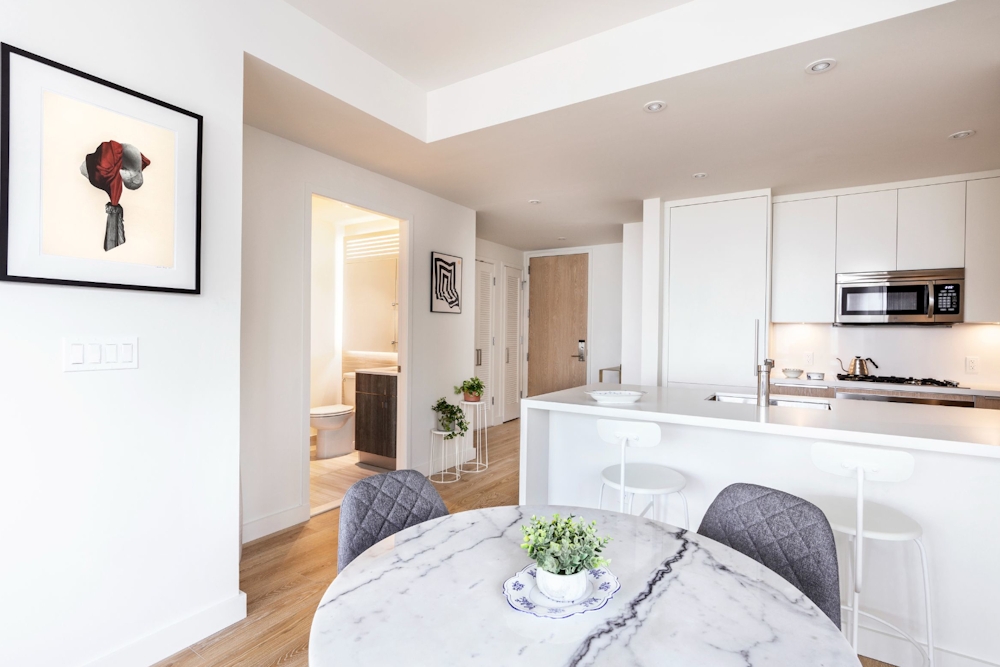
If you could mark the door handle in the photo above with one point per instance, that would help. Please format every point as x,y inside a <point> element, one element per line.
<point>756,345</point>
<point>507,351</point>
<point>479,357</point>
<point>581,351</point>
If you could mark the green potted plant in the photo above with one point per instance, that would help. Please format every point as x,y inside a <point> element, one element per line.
<point>473,388</point>
<point>564,551</point>
<point>450,418</point>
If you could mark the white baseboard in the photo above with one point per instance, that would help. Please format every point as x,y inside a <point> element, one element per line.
<point>163,643</point>
<point>258,528</point>
<point>895,650</point>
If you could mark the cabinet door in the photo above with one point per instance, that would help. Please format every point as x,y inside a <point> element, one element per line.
<point>982,241</point>
<point>375,424</point>
<point>866,232</point>
<point>931,227</point>
<point>804,257</point>
<point>717,288</point>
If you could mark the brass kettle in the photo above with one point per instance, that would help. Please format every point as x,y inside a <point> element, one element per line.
<point>858,366</point>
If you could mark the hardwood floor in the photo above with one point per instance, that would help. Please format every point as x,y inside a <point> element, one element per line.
<point>329,480</point>
<point>284,575</point>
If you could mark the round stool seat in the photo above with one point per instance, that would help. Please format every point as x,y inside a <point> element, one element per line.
<point>881,522</point>
<point>645,478</point>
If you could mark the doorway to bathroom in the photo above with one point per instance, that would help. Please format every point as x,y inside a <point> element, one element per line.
<point>355,341</point>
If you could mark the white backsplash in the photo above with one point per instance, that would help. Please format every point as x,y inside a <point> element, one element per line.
<point>937,352</point>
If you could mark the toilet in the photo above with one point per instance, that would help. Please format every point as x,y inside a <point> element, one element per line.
<point>334,424</point>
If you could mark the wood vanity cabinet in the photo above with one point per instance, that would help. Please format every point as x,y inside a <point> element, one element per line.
<point>375,418</point>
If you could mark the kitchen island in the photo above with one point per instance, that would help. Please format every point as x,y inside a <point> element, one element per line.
<point>954,492</point>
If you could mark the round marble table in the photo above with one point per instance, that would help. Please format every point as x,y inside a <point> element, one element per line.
<point>431,595</point>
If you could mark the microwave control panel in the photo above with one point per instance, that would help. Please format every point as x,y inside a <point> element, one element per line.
<point>947,299</point>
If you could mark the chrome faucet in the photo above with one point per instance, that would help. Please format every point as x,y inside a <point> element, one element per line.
<point>764,383</point>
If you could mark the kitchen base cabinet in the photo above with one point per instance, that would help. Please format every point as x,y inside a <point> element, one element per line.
<point>375,419</point>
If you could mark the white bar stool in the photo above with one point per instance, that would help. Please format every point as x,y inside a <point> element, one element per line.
<point>477,413</point>
<point>647,479</point>
<point>872,520</point>
<point>443,476</point>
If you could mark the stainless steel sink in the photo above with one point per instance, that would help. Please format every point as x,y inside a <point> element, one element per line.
<point>751,399</point>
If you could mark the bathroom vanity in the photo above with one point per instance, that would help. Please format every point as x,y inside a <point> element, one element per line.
<point>375,418</point>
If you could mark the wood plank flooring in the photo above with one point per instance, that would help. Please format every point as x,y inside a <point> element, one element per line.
<point>329,480</point>
<point>284,575</point>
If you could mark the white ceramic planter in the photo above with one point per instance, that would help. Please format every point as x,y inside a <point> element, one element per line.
<point>561,587</point>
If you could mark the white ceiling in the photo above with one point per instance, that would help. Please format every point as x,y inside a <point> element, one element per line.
<point>437,42</point>
<point>882,115</point>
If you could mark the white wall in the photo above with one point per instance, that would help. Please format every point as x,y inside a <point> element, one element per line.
<point>606,296</point>
<point>631,296</point>
<point>936,352</point>
<point>324,296</point>
<point>279,178</point>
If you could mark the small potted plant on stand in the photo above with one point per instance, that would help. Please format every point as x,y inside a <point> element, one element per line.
<point>450,418</point>
<point>473,390</point>
<point>564,552</point>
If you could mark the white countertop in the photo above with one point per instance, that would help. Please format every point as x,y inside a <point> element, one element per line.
<point>832,381</point>
<point>383,370</point>
<point>953,430</point>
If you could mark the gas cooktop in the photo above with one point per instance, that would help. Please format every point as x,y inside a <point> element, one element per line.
<point>892,379</point>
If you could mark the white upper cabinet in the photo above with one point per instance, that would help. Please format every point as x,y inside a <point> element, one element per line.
<point>982,244</point>
<point>931,227</point>
<point>866,232</point>
<point>804,255</point>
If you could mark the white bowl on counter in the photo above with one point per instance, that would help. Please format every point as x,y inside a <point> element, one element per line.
<point>815,376</point>
<point>792,372</point>
<point>616,397</point>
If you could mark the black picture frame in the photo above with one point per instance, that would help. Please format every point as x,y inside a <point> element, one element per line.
<point>6,51</point>
<point>446,283</point>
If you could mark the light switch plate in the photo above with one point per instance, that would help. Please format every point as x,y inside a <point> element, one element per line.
<point>106,353</point>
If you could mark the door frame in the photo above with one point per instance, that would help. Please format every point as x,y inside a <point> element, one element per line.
<point>526,303</point>
<point>405,330</point>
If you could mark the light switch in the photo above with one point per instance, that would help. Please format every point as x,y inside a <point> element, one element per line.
<point>106,353</point>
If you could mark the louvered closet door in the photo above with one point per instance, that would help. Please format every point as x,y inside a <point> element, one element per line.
<point>485,273</point>
<point>511,359</point>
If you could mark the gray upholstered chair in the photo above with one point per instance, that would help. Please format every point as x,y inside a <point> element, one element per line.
<point>784,533</point>
<point>382,505</point>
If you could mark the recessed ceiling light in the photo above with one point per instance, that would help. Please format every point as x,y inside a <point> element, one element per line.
<point>654,106</point>
<point>700,174</point>
<point>964,134</point>
<point>534,201</point>
<point>561,238</point>
<point>821,66</point>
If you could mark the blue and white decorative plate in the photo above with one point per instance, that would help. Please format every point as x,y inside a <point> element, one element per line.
<point>523,594</point>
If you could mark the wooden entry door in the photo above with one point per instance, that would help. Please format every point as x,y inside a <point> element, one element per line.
<point>557,322</point>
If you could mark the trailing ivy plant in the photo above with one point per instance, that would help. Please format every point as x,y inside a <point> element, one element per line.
<point>451,418</point>
<point>562,546</point>
<point>473,386</point>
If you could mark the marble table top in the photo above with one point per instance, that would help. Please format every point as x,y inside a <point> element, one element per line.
<point>431,595</point>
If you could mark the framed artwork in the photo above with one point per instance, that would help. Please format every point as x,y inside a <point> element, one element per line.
<point>101,185</point>
<point>446,283</point>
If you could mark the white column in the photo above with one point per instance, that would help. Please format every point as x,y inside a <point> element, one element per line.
<point>631,303</point>
<point>652,226</point>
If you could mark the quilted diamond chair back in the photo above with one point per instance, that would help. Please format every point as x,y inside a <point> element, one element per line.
<point>382,505</point>
<point>784,533</point>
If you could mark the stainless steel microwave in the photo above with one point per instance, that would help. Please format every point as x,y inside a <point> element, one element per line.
<point>901,297</point>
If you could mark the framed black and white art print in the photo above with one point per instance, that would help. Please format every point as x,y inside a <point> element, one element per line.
<point>101,185</point>
<point>446,283</point>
